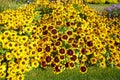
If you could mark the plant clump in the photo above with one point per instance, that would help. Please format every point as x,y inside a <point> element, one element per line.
<point>58,36</point>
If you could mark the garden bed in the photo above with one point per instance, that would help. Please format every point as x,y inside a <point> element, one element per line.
<point>59,39</point>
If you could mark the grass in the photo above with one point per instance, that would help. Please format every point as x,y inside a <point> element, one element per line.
<point>99,7</point>
<point>7,4</point>
<point>93,74</point>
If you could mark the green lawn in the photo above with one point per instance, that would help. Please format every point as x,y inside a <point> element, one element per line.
<point>99,7</point>
<point>6,4</point>
<point>93,74</point>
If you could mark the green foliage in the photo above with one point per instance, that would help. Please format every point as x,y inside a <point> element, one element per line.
<point>6,4</point>
<point>42,10</point>
<point>93,74</point>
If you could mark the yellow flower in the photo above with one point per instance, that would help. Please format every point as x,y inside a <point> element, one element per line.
<point>22,70</point>
<point>102,64</point>
<point>27,29</point>
<point>2,74</point>
<point>6,33</point>
<point>10,45</point>
<point>20,77</point>
<point>118,65</point>
<point>102,58</point>
<point>3,38</point>
<point>2,67</point>
<point>57,69</point>
<point>48,59</point>
<point>34,63</point>
<point>93,60</point>
<point>23,63</point>
<point>9,56</point>
<point>84,58</point>
<point>83,69</point>
<point>71,64</point>
<point>11,77</point>
<point>23,39</point>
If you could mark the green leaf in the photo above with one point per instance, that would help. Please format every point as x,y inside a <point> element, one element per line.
<point>77,7</point>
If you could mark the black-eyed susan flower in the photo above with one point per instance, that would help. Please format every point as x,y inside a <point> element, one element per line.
<point>84,58</point>
<point>3,39</point>
<point>71,64</point>
<point>74,57</point>
<point>54,37</point>
<point>2,74</point>
<point>33,53</point>
<point>3,68</point>
<point>22,70</point>
<point>74,45</point>
<point>70,52</point>
<point>23,62</point>
<point>50,27</point>
<point>34,63</point>
<point>118,65</point>
<point>58,43</point>
<point>24,39</point>
<point>54,48</point>
<point>62,51</point>
<point>70,39</point>
<point>61,57</point>
<point>11,77</point>
<point>83,51</point>
<point>89,43</point>
<point>57,69</point>
<point>20,77</point>
<point>9,56</point>
<point>6,33</point>
<point>47,48</point>
<point>45,32</point>
<point>48,59</point>
<point>102,58</point>
<point>10,45</point>
<point>65,37</point>
<point>27,29</point>
<point>69,32</point>
<point>54,31</point>
<point>103,64</point>
<point>39,49</point>
<point>59,23</point>
<point>93,60</point>
<point>56,60</point>
<point>83,69</point>
<point>43,64</point>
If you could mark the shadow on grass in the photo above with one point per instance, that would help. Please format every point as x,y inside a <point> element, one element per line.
<point>93,74</point>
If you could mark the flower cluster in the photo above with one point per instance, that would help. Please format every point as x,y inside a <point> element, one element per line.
<point>102,1</point>
<point>113,11</point>
<point>58,36</point>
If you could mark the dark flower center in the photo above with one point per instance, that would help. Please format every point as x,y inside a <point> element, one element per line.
<point>70,52</point>
<point>73,58</point>
<point>54,31</point>
<point>62,51</point>
<point>65,37</point>
<point>83,51</point>
<point>69,32</point>
<point>56,59</point>
<point>83,69</point>
<point>89,43</point>
<point>39,49</point>
<point>47,48</point>
<point>48,59</point>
